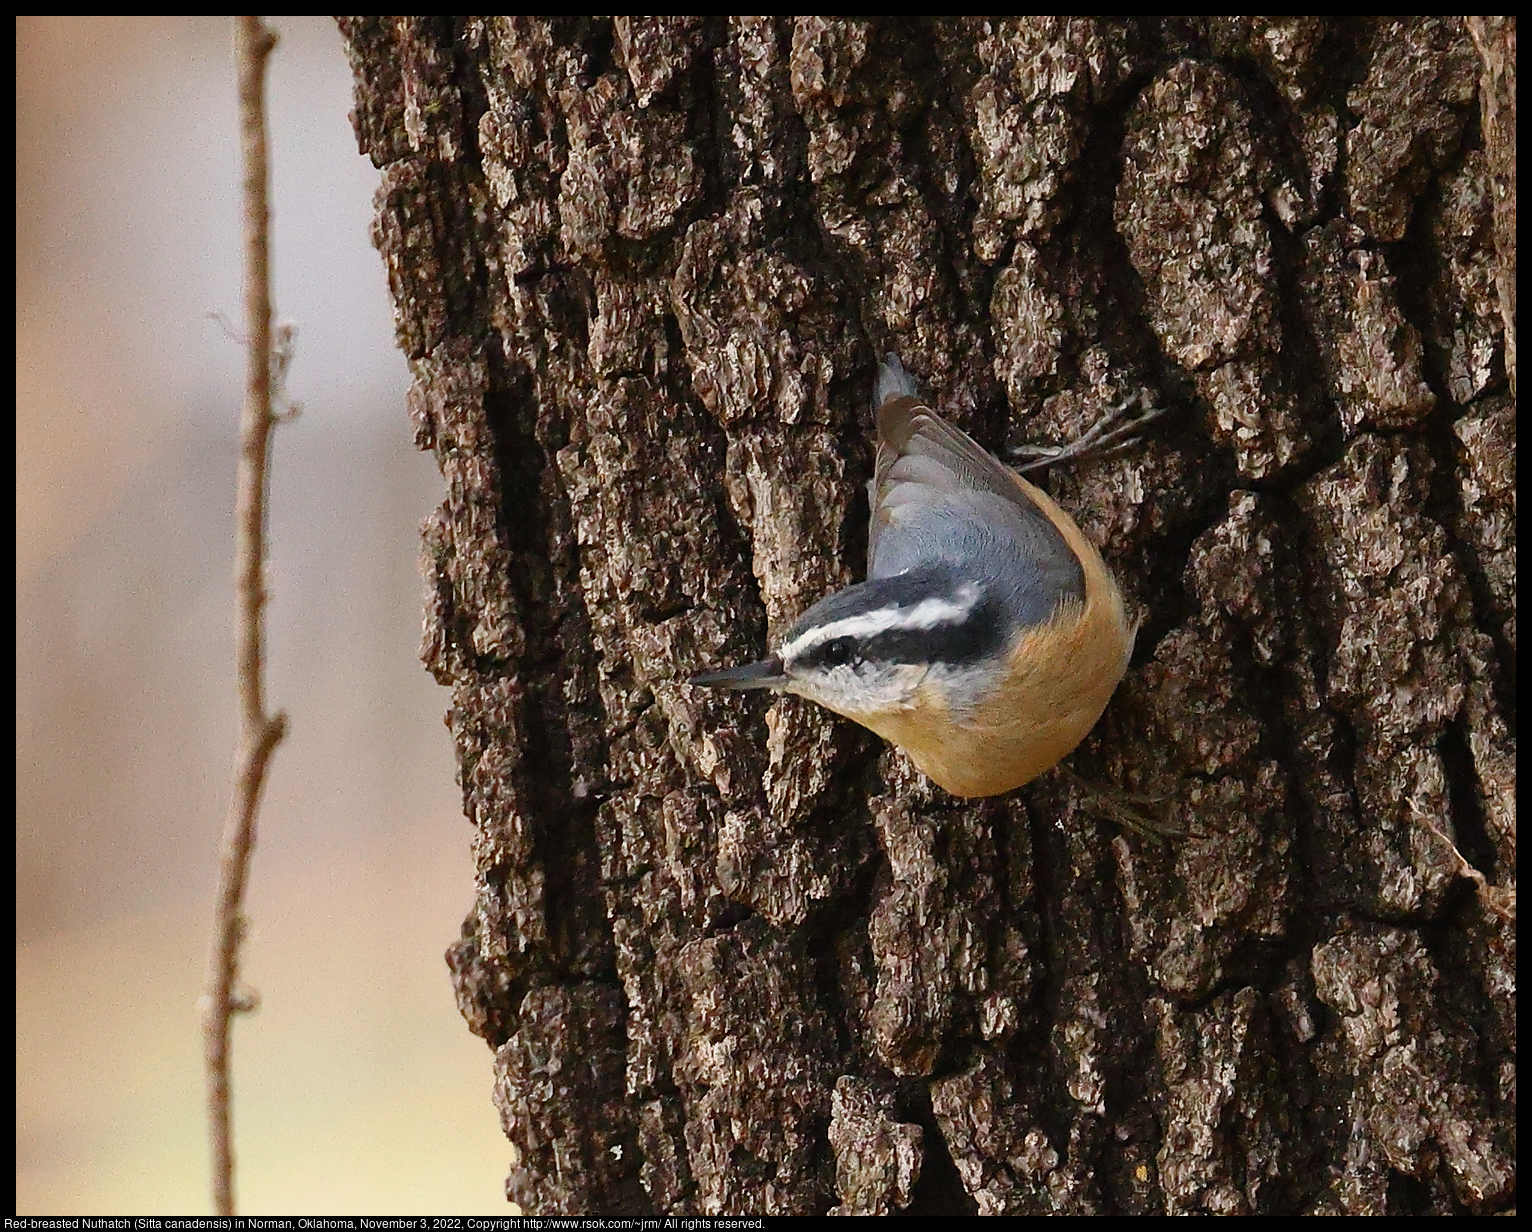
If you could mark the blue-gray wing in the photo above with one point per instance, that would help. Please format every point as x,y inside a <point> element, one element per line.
<point>938,497</point>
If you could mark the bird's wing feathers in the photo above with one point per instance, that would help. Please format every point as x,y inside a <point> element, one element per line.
<point>936,493</point>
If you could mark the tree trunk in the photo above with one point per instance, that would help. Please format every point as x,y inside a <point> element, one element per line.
<point>734,954</point>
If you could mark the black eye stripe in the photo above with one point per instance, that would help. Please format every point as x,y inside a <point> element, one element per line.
<point>978,635</point>
<point>838,651</point>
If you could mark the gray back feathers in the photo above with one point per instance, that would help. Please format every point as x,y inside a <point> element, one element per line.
<point>937,497</point>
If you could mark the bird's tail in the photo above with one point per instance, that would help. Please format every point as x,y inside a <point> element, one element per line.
<point>893,382</point>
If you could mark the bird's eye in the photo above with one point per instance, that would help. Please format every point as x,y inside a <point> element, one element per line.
<point>838,652</point>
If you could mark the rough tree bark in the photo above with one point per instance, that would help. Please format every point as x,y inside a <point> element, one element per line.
<point>734,954</point>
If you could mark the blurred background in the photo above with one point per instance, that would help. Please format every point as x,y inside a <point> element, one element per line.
<point>358,1090</point>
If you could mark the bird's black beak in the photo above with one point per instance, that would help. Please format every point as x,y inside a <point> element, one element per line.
<point>766,674</point>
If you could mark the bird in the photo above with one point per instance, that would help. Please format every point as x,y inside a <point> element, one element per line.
<point>989,634</point>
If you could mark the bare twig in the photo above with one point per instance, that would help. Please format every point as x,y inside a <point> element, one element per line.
<point>259,732</point>
<point>1499,899</point>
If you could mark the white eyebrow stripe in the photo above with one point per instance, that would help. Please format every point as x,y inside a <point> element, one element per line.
<point>926,614</point>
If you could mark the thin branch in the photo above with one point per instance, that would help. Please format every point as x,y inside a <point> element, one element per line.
<point>259,732</point>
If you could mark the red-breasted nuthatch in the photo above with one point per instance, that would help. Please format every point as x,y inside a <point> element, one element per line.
<point>988,636</point>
